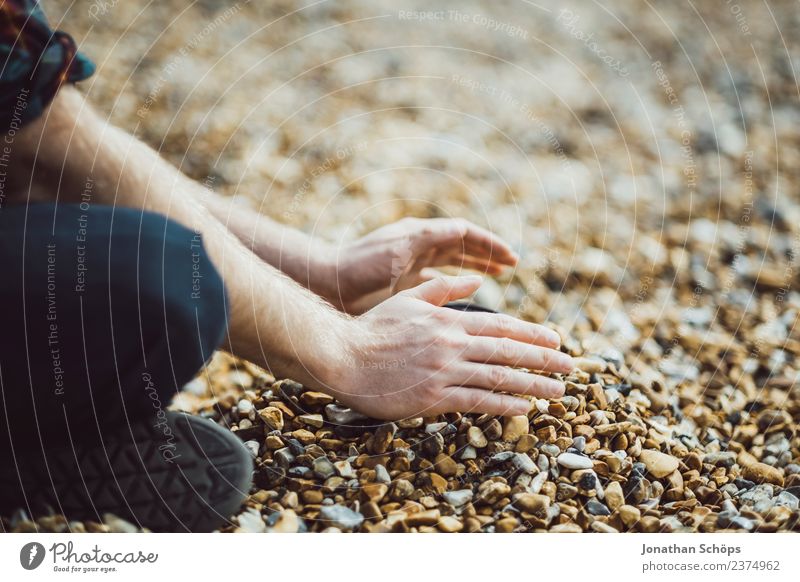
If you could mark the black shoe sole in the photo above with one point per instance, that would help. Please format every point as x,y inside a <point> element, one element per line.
<point>185,474</point>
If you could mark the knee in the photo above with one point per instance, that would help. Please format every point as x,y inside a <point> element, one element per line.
<point>181,293</point>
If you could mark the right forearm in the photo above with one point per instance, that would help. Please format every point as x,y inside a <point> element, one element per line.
<point>272,321</point>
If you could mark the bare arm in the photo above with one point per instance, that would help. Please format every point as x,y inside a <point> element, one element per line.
<point>70,143</point>
<point>407,356</point>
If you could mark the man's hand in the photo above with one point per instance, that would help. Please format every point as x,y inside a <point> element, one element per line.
<point>404,254</point>
<point>411,357</point>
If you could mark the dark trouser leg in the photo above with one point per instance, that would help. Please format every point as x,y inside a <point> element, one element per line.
<point>104,314</point>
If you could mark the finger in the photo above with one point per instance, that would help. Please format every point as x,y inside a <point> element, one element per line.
<point>471,399</point>
<point>429,273</point>
<point>447,232</point>
<point>409,277</point>
<point>467,262</point>
<point>502,378</point>
<point>441,290</point>
<point>501,325</point>
<point>509,352</point>
<point>489,244</point>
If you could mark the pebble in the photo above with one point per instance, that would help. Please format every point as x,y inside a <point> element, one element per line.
<point>430,517</point>
<point>458,498</point>
<point>533,503</point>
<point>786,499</point>
<point>341,517</point>
<point>345,469</point>
<point>435,427</point>
<point>629,515</point>
<point>763,473</point>
<point>658,464</point>
<point>573,461</point>
<point>272,417</point>
<point>476,438</point>
<point>383,438</point>
<point>341,415</point>
<point>515,427</point>
<point>449,524</point>
<point>594,507</point>
<point>524,463</point>
<point>313,420</point>
<point>382,475</point>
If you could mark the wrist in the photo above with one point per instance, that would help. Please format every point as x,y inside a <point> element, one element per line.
<point>332,366</point>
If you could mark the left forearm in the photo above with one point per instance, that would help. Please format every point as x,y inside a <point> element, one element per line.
<point>304,259</point>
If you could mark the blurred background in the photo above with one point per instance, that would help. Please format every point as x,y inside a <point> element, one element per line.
<point>643,158</point>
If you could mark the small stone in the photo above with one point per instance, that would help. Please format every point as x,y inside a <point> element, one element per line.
<point>244,407</point>
<point>658,464</point>
<point>446,466</point>
<point>629,515</point>
<point>493,430</point>
<point>476,438</point>
<point>598,396</point>
<point>383,438</point>
<point>273,443</point>
<point>533,503</point>
<point>272,417</point>
<point>515,427</point>
<point>415,422</point>
<point>286,522</point>
<point>594,507</point>
<point>344,469</point>
<point>375,491</point>
<point>314,399</point>
<point>283,457</point>
<point>250,521</point>
<point>304,436</point>
<point>382,475</point>
<point>458,498</point>
<point>506,525</point>
<point>614,496</point>
<point>342,415</point>
<point>323,467</point>
<point>438,483</point>
<point>340,516</point>
<point>525,443</point>
<point>786,499</point>
<point>430,517</point>
<point>449,524</point>
<point>435,427</point>
<point>573,461</point>
<point>763,473</point>
<point>742,522</point>
<point>313,420</point>
<point>401,489</point>
<point>524,463</point>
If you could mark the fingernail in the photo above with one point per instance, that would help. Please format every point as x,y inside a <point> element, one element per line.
<point>568,364</point>
<point>553,337</point>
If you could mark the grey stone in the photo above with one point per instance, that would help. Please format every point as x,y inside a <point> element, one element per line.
<point>340,516</point>
<point>458,498</point>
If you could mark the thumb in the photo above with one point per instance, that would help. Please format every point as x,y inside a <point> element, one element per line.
<point>444,289</point>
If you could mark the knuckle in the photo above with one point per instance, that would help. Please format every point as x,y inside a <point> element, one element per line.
<point>505,325</point>
<point>473,399</point>
<point>508,350</point>
<point>499,376</point>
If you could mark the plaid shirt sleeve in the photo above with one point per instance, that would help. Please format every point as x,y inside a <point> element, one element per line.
<point>34,62</point>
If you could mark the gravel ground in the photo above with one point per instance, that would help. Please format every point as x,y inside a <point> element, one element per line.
<point>644,161</point>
